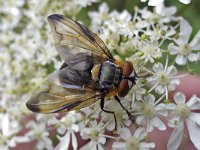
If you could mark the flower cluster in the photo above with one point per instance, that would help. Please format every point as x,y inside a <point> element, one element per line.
<point>156,42</point>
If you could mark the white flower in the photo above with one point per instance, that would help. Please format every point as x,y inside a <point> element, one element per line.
<point>89,113</point>
<point>133,142</point>
<point>118,19</point>
<point>121,115</point>
<point>161,15</point>
<point>185,50</point>
<point>99,17</point>
<point>39,132</point>
<point>68,122</point>
<point>184,115</point>
<point>96,136</point>
<point>164,79</point>
<point>160,32</point>
<point>6,130</point>
<point>49,119</point>
<point>68,127</point>
<point>10,124</point>
<point>149,112</point>
<point>150,51</point>
<point>112,39</point>
<point>128,46</point>
<point>138,91</point>
<point>166,14</point>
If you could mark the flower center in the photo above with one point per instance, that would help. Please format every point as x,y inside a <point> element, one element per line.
<point>94,135</point>
<point>132,143</point>
<point>149,111</point>
<point>185,50</point>
<point>38,133</point>
<point>68,122</point>
<point>163,78</point>
<point>148,50</point>
<point>183,111</point>
<point>2,140</point>
<point>131,25</point>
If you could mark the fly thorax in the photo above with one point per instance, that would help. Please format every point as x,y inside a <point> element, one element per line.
<point>110,75</point>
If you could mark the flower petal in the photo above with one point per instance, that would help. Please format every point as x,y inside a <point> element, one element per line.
<point>119,145</point>
<point>139,119</point>
<point>154,2</point>
<point>170,106</point>
<point>160,89</point>
<point>150,126</point>
<point>158,67</point>
<point>179,98</point>
<point>64,141</point>
<point>21,139</point>
<point>194,103</point>
<point>158,123</point>
<point>74,141</point>
<point>102,140</point>
<point>162,10</point>
<point>194,132</point>
<point>172,122</point>
<point>176,137</point>
<point>150,99</point>
<point>104,8</point>
<point>146,146</point>
<point>195,43</point>
<point>173,49</point>
<point>75,127</point>
<point>185,31</point>
<point>5,125</point>
<point>171,71</point>
<point>140,133</point>
<point>185,1</point>
<point>161,109</point>
<point>193,57</point>
<point>125,133</point>
<point>195,117</point>
<point>181,60</point>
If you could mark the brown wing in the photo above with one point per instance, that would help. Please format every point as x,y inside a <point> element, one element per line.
<point>69,32</point>
<point>52,98</point>
<point>70,78</point>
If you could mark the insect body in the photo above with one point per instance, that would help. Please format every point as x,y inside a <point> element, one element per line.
<point>87,74</point>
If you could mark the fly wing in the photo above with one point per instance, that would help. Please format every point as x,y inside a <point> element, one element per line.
<point>52,98</point>
<point>73,79</point>
<point>66,89</point>
<point>69,32</point>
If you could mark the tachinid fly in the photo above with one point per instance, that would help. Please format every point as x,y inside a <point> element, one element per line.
<point>87,74</point>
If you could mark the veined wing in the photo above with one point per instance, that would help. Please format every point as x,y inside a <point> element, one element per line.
<point>69,32</point>
<point>70,78</point>
<point>52,98</point>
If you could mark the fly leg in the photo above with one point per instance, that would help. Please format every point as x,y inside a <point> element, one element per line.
<point>128,113</point>
<point>107,111</point>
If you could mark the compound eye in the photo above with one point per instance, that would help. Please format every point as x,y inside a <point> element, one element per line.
<point>123,88</point>
<point>127,68</point>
